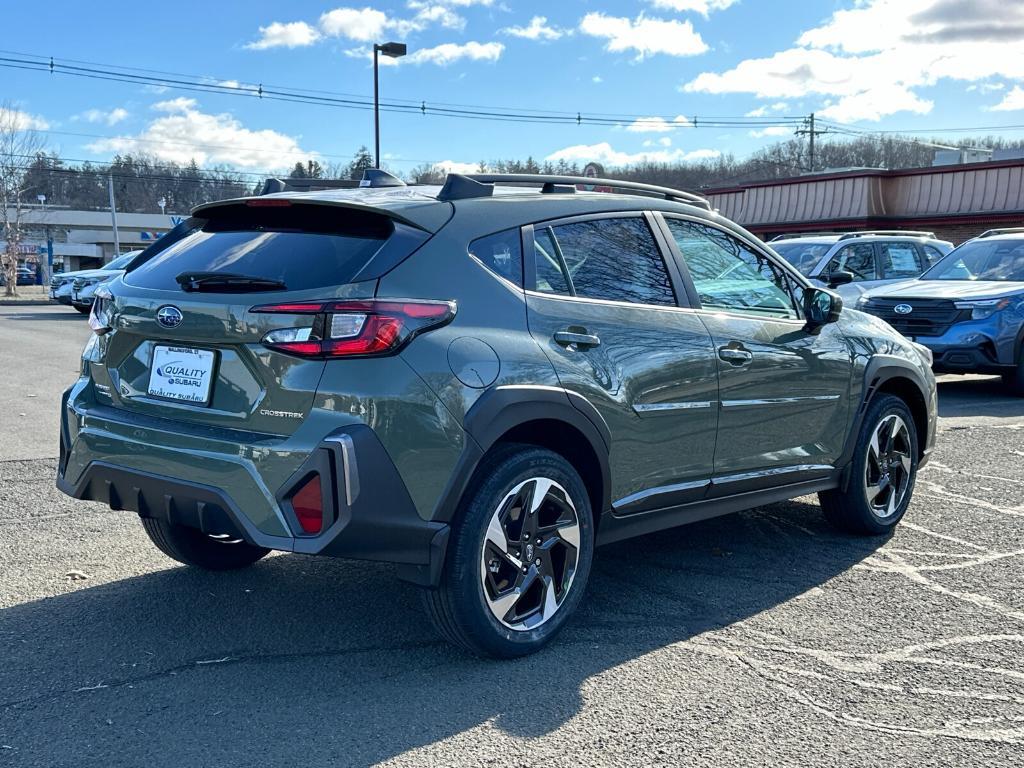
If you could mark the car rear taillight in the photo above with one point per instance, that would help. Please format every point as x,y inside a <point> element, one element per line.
<point>308,504</point>
<point>358,328</point>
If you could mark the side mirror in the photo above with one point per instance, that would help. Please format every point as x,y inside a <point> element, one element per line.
<point>839,277</point>
<point>821,307</point>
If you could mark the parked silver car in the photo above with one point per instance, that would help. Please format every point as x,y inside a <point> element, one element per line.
<point>76,288</point>
<point>872,258</point>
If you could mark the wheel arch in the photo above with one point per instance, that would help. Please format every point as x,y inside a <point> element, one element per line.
<point>549,417</point>
<point>895,376</point>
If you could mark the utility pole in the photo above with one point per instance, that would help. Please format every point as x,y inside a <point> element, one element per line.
<point>113,214</point>
<point>811,132</point>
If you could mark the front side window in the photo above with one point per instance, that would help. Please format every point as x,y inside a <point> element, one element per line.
<point>614,259</point>
<point>857,259</point>
<point>502,253</point>
<point>933,254</point>
<point>730,276</point>
<point>900,260</point>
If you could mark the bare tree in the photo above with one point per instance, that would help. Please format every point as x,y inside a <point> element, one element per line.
<point>19,145</point>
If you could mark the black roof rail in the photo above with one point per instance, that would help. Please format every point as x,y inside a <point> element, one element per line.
<point>552,184</point>
<point>1003,231</point>
<point>893,232</point>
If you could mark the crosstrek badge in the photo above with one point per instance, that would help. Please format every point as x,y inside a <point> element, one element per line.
<point>181,373</point>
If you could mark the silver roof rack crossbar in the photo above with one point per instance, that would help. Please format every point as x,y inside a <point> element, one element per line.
<point>550,183</point>
<point>1003,231</point>
<point>893,232</point>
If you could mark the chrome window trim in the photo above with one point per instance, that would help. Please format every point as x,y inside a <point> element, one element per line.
<point>775,471</point>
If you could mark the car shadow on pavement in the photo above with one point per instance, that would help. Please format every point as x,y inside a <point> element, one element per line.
<point>70,314</point>
<point>323,661</point>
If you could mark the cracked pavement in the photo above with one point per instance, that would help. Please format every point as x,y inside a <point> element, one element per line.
<point>763,638</point>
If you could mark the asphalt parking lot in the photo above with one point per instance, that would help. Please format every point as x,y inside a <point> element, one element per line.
<point>763,638</point>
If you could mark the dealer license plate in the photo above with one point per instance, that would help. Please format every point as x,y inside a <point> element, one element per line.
<point>181,373</point>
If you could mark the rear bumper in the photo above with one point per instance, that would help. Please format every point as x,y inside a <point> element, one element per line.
<point>368,513</point>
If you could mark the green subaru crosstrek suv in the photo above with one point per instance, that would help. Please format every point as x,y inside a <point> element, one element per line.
<point>480,382</point>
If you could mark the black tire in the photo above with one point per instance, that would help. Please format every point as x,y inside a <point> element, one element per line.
<point>1014,380</point>
<point>460,607</point>
<point>193,547</point>
<point>852,510</point>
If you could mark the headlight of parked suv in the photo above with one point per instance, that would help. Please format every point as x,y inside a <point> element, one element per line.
<point>982,308</point>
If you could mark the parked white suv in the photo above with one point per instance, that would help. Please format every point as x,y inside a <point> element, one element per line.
<point>871,258</point>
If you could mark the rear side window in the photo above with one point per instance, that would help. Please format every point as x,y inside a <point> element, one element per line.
<point>303,247</point>
<point>502,253</point>
<point>615,259</point>
<point>900,260</point>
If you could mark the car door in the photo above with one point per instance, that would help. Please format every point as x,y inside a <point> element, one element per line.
<point>783,390</point>
<point>602,302</point>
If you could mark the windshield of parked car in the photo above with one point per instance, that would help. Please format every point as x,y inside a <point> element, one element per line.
<point>121,261</point>
<point>1000,260</point>
<point>803,256</point>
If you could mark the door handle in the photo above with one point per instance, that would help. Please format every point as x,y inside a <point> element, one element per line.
<point>735,355</point>
<point>578,337</point>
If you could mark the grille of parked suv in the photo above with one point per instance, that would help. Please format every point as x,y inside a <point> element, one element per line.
<point>928,317</point>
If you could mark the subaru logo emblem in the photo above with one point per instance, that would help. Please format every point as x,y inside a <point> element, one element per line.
<point>168,316</point>
<point>903,309</point>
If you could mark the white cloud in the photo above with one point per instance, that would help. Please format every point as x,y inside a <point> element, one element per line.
<point>111,117</point>
<point>538,29</point>
<point>645,35</point>
<point>703,7</point>
<point>186,133</point>
<point>363,24</point>
<point>427,15</point>
<point>1012,101</point>
<point>664,141</point>
<point>179,104</point>
<point>772,130</point>
<point>874,104</point>
<point>597,79</point>
<point>875,56</point>
<point>658,124</point>
<point>22,121</point>
<point>768,109</point>
<point>293,34</point>
<point>604,153</point>
<point>449,53</point>
<point>454,166</point>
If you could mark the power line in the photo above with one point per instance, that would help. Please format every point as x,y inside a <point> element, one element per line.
<point>261,91</point>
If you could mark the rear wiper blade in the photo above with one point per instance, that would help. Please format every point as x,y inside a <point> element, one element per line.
<point>227,282</point>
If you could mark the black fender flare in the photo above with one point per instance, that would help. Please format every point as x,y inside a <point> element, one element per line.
<point>879,370</point>
<point>504,407</point>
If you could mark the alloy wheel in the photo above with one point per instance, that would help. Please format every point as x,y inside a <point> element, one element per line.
<point>530,554</point>
<point>887,470</point>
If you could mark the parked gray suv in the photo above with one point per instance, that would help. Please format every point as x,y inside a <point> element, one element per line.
<point>480,382</point>
<point>856,262</point>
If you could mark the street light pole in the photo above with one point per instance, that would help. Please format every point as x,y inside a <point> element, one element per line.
<point>394,51</point>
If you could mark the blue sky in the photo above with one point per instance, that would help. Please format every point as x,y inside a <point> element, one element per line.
<point>859,64</point>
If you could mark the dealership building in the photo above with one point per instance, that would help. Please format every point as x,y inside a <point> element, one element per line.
<point>956,202</point>
<point>85,239</point>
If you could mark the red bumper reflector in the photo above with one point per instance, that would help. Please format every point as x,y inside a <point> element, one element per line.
<point>308,504</point>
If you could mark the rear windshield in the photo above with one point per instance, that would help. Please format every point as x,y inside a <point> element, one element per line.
<point>301,246</point>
